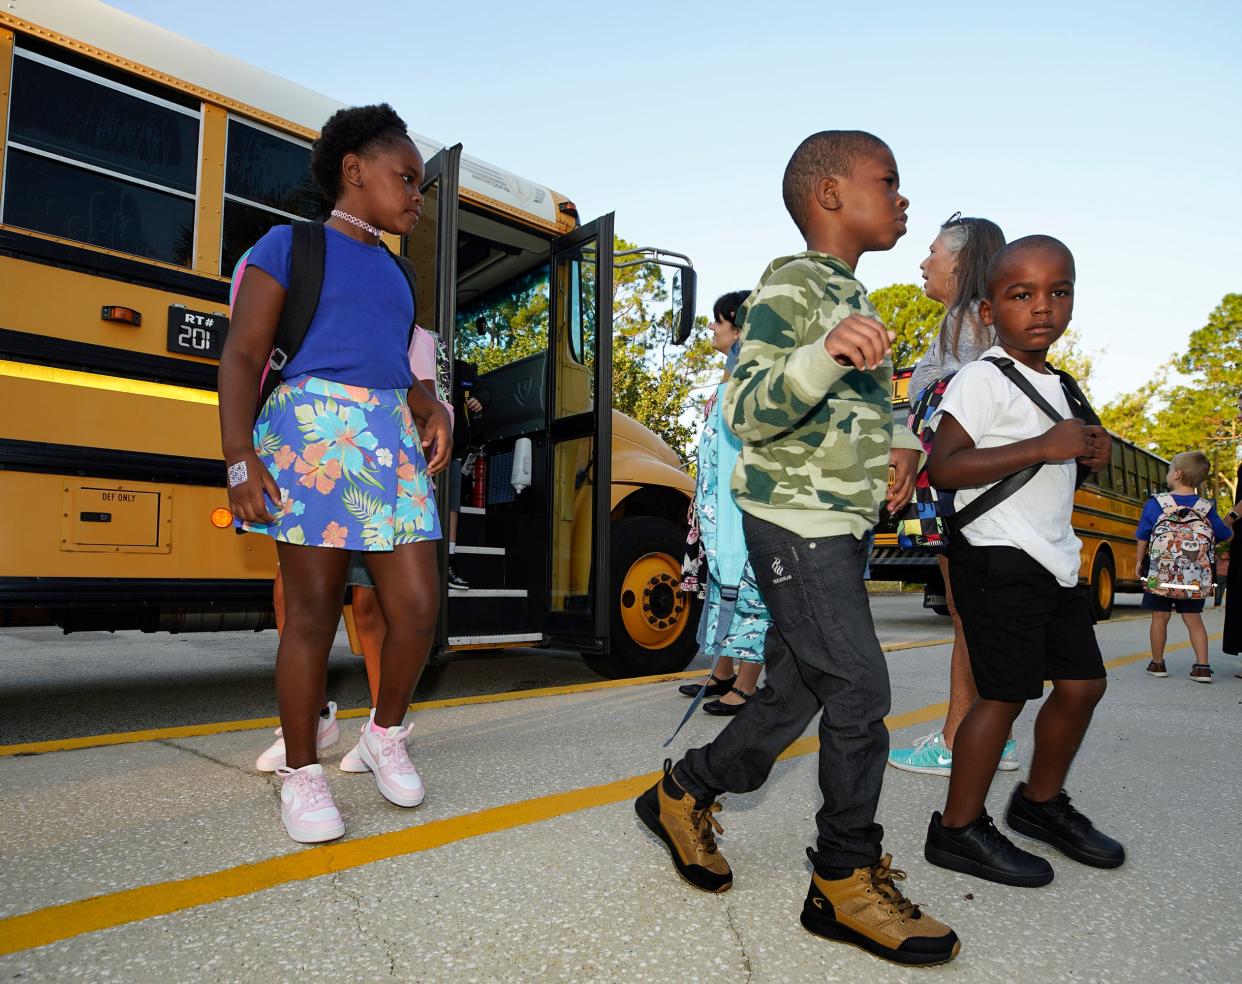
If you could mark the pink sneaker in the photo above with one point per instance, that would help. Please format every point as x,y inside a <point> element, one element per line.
<point>386,755</point>
<point>352,760</point>
<point>273,757</point>
<point>306,806</point>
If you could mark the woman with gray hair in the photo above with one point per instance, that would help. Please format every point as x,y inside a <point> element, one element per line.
<point>955,274</point>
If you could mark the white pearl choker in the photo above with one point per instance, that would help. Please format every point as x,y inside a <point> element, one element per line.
<point>354,220</point>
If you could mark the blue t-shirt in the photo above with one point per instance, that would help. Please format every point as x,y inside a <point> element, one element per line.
<point>361,328</point>
<point>1152,511</point>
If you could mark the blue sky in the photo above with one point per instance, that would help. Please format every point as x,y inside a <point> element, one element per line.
<point>1113,126</point>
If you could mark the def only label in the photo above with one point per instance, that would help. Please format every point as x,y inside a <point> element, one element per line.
<point>198,333</point>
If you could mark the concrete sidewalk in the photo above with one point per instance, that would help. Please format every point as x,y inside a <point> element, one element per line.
<point>526,863</point>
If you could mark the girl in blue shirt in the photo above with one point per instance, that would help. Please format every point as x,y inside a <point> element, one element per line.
<point>333,463</point>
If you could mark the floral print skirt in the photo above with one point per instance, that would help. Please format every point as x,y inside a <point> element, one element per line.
<point>349,465</point>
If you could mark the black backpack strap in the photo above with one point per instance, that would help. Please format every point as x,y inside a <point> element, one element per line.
<point>407,271</point>
<point>990,499</point>
<point>1014,375</point>
<point>306,261</point>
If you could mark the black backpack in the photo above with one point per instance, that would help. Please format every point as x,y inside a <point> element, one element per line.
<point>306,264</point>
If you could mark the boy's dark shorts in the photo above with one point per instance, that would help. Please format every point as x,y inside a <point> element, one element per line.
<point>1183,606</point>
<point>1022,627</point>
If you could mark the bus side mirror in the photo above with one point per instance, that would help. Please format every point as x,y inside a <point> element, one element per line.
<point>685,284</point>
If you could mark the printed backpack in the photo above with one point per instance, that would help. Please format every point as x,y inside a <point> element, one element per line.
<point>1181,550</point>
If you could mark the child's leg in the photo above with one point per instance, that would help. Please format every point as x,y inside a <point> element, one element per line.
<point>1159,634</point>
<point>980,741</point>
<point>748,675</point>
<point>369,621</point>
<point>1059,729</point>
<point>962,692</point>
<point>407,581</point>
<point>314,588</point>
<point>1198,635</point>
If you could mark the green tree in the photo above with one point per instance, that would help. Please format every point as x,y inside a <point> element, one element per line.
<point>914,316</point>
<point>1201,409</point>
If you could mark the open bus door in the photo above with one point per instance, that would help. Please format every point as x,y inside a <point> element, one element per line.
<point>431,248</point>
<point>579,436</point>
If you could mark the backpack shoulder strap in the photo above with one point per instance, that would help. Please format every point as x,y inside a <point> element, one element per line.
<point>302,298</point>
<point>407,271</point>
<point>306,260</point>
<point>1166,502</point>
<point>1014,375</point>
<point>1079,404</point>
<point>1202,507</point>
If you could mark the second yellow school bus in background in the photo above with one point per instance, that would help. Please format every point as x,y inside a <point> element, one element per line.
<point>1106,512</point>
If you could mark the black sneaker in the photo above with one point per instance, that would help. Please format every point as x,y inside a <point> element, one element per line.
<point>981,850</point>
<point>455,580</point>
<point>1059,824</point>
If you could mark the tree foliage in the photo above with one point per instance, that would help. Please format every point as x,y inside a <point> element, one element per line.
<point>1198,408</point>
<point>914,316</point>
<point>655,382</point>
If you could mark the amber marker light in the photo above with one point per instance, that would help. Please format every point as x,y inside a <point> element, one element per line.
<point>121,315</point>
<point>221,518</point>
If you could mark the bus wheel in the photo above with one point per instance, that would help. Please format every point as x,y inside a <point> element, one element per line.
<point>1103,586</point>
<point>653,621</point>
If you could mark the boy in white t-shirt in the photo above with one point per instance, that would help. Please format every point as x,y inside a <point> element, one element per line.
<point>1015,577</point>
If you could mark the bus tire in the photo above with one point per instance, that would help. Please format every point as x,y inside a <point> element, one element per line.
<point>1102,586</point>
<point>654,623</point>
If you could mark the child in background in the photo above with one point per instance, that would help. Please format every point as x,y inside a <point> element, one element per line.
<point>1187,471</point>
<point>1015,575</point>
<point>333,463</point>
<point>810,399</point>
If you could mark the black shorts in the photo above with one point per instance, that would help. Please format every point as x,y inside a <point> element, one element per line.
<point>1022,627</point>
<point>1183,606</point>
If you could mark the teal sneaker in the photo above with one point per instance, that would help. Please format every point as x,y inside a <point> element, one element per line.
<point>1009,758</point>
<point>929,755</point>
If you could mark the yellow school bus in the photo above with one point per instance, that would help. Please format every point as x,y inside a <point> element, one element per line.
<point>136,166</point>
<point>1106,512</point>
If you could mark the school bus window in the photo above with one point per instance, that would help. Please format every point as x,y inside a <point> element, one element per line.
<point>267,182</point>
<point>1116,472</point>
<point>507,323</point>
<point>1132,476</point>
<point>94,160</point>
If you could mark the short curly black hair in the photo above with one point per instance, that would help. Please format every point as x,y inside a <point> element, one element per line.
<point>823,154</point>
<point>355,130</point>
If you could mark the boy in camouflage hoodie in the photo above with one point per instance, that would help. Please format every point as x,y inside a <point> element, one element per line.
<point>810,400</point>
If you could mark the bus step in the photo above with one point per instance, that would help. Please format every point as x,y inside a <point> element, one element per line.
<point>486,611</point>
<point>482,567</point>
<point>471,526</point>
<point>498,639</point>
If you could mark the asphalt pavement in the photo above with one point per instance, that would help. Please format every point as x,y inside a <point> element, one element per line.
<point>163,858</point>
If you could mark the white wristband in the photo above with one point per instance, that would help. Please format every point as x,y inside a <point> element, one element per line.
<point>238,474</point>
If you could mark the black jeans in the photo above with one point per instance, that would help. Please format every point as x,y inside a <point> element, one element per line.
<point>821,652</point>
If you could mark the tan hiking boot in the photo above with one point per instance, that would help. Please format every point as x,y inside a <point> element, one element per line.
<point>868,910</point>
<point>689,832</point>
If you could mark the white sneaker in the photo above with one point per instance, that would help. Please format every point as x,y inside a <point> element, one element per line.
<point>273,757</point>
<point>306,806</point>
<point>386,756</point>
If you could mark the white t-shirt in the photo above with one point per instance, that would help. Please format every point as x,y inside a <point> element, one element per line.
<point>1036,518</point>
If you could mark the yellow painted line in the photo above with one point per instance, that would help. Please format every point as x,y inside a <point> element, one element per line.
<point>115,384</point>
<point>252,724</point>
<point>60,922</point>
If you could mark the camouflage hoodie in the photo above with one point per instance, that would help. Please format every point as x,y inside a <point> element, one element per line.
<point>815,434</point>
